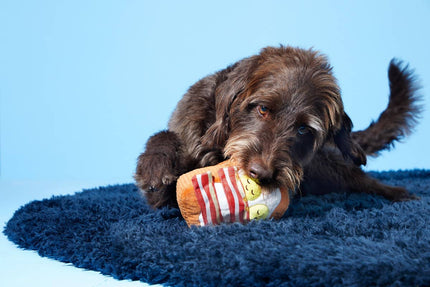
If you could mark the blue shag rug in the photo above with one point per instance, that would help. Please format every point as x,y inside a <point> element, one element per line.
<point>330,240</point>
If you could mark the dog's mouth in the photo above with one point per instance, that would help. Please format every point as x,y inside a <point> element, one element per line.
<point>272,178</point>
<point>270,170</point>
<point>287,179</point>
<point>270,183</point>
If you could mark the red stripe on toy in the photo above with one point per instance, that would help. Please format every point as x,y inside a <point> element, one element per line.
<point>213,215</point>
<point>215,206</point>
<point>234,198</point>
<point>207,198</point>
<point>229,195</point>
<point>200,197</point>
<point>242,203</point>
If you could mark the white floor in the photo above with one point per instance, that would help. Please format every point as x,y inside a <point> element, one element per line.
<point>26,268</point>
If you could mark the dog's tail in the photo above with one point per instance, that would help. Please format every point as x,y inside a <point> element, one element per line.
<point>400,116</point>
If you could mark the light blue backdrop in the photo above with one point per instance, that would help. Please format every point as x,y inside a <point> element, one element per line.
<point>84,83</point>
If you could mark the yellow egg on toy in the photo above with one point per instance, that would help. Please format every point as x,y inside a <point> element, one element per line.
<point>250,186</point>
<point>258,211</point>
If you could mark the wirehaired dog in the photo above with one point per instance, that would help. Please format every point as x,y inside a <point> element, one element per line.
<point>279,115</point>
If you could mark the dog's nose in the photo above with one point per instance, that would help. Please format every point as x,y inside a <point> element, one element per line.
<point>258,171</point>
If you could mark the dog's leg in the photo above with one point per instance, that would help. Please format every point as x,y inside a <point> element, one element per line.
<point>329,172</point>
<point>158,169</point>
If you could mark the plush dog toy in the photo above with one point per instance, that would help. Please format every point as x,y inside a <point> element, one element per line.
<point>224,193</point>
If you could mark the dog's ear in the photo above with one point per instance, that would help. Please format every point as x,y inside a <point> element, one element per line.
<point>345,143</point>
<point>231,83</point>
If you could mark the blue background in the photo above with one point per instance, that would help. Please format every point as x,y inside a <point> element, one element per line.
<point>83,84</point>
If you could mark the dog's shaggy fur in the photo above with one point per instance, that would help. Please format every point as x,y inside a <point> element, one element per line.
<point>279,115</point>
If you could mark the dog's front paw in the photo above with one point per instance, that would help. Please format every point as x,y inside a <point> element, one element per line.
<point>211,157</point>
<point>154,172</point>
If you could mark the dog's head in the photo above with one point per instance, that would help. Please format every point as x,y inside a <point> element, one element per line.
<point>276,110</point>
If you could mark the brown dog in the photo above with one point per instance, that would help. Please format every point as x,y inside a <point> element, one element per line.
<point>280,116</point>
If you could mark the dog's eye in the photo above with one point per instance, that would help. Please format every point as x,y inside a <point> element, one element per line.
<point>303,130</point>
<point>263,111</point>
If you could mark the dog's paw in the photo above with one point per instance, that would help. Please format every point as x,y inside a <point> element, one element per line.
<point>211,157</point>
<point>154,172</point>
<point>398,194</point>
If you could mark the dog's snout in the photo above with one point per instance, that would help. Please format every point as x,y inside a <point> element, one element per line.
<point>259,171</point>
